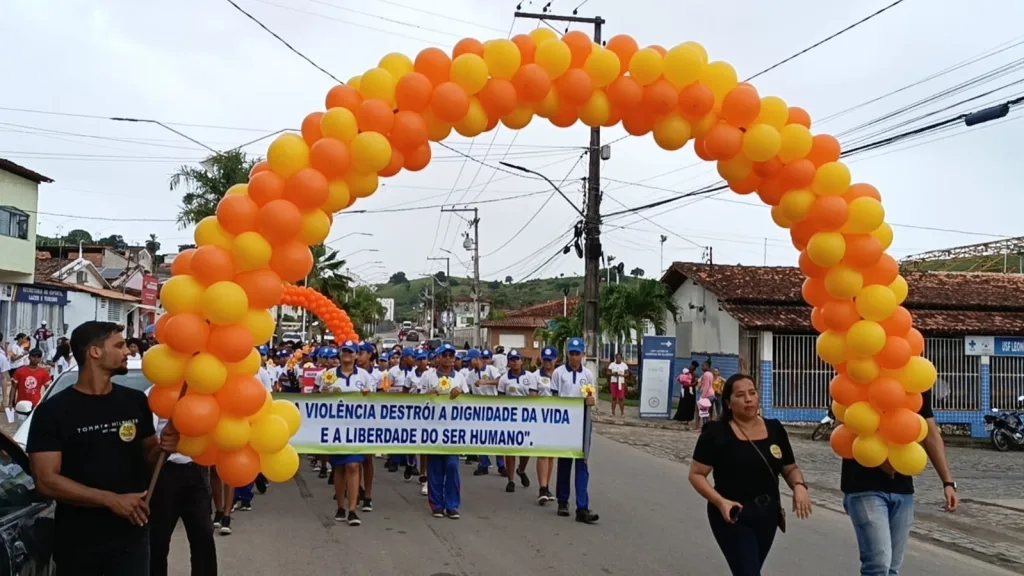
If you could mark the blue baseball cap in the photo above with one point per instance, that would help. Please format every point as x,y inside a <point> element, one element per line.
<point>367,347</point>
<point>515,355</point>
<point>575,345</point>
<point>263,350</point>
<point>422,355</point>
<point>548,354</point>
<point>408,352</point>
<point>350,346</point>
<point>283,354</point>
<point>446,348</point>
<point>474,353</point>
<point>486,354</point>
<point>331,353</point>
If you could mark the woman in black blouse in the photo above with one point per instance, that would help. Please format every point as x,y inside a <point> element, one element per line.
<point>747,454</point>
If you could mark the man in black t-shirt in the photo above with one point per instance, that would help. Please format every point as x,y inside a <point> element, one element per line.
<point>92,447</point>
<point>880,501</point>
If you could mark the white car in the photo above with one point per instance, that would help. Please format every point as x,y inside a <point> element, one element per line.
<point>388,343</point>
<point>133,379</point>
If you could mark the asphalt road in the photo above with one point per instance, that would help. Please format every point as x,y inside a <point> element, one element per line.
<point>651,523</point>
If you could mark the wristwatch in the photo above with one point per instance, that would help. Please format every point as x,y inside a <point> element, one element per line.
<point>949,485</point>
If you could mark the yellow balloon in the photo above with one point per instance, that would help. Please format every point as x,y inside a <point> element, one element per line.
<point>288,154</point>
<point>862,418</point>
<point>876,303</point>
<point>826,248</point>
<point>705,124</point>
<point>241,189</point>
<point>339,123</point>
<point>181,294</point>
<point>843,282</point>
<point>924,429</point>
<point>437,130</point>
<point>209,232</point>
<point>260,324</point>
<point>355,81</point>
<point>646,66</point>
<point>862,370</point>
<point>869,451</point>
<point>602,66</point>
<point>280,466</point>
<point>761,142</point>
<point>268,404</point>
<point>797,204</point>
<point>866,215</point>
<point>597,110</point>
<point>908,459</point>
<point>721,78</point>
<point>547,107</point>
<point>270,434</point>
<point>735,169</point>
<point>397,64</point>
<point>918,375</point>
<point>379,84</point>
<point>231,434</point>
<point>503,58</point>
<point>684,65</point>
<point>225,303</point>
<point>162,366</point>
<point>205,373</point>
<point>338,196</point>
<point>831,346</point>
<point>475,120</point>
<point>470,72</point>
<point>774,112</point>
<point>314,228</point>
<point>884,235</point>
<point>899,289</point>
<point>248,367</point>
<point>519,118</point>
<point>371,152</point>
<point>251,251</point>
<point>672,132</point>
<point>193,446</point>
<point>700,50</point>
<point>865,338</point>
<point>362,184</point>
<point>554,57</point>
<point>780,218</point>
<point>796,142</point>
<point>290,413</point>
<point>541,35</point>
<point>831,179</point>
<point>839,410</point>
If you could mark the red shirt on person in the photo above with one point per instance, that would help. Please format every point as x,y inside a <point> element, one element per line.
<point>31,382</point>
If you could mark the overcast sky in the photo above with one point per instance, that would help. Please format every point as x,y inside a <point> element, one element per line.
<point>222,80</point>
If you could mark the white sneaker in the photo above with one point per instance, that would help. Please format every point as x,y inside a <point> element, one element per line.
<point>423,489</point>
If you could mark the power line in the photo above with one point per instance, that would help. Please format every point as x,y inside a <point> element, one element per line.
<point>435,14</point>
<point>98,117</point>
<point>346,22</point>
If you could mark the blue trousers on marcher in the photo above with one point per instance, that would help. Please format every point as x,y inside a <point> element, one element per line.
<point>581,484</point>
<point>244,494</point>
<point>443,483</point>
<point>485,462</point>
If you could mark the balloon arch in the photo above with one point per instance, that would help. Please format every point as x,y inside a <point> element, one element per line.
<point>382,122</point>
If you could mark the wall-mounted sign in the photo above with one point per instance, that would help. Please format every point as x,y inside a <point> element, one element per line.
<point>39,295</point>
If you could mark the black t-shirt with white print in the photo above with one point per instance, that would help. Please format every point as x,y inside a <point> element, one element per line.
<point>100,439</point>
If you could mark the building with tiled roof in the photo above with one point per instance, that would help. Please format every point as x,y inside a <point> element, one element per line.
<point>518,328</point>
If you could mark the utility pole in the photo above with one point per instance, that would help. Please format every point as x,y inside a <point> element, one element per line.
<point>448,280</point>
<point>592,218</point>
<point>474,246</point>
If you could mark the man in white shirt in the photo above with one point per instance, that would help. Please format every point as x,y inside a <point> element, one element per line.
<point>482,380</point>
<point>443,470</point>
<point>182,491</point>
<point>516,382</point>
<point>265,376</point>
<point>349,378</point>
<point>617,384</point>
<point>499,360</point>
<point>570,379</point>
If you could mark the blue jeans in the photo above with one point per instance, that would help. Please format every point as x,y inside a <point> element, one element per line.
<point>882,524</point>
<point>444,483</point>
<point>244,494</point>
<point>485,463</point>
<point>581,484</point>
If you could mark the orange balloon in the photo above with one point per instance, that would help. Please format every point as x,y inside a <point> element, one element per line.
<point>434,64</point>
<point>660,96</point>
<point>311,127</point>
<point>899,323</point>
<point>212,264</point>
<point>238,468</point>
<point>695,101</point>
<point>771,191</point>
<point>638,122</point>
<point>231,343</point>
<point>900,426</point>
<point>186,333</point>
<point>828,212</point>
<point>842,441</point>
<point>800,234</point>
<point>343,96</point>
<point>163,399</point>
<point>741,105</point>
<point>208,458</point>
<point>882,272</point>
<point>797,174</point>
<point>914,402</point>
<point>580,45</point>
<point>768,168</point>
<point>624,47</point>
<point>701,151</point>
<point>291,260</point>
<point>625,93</point>
<point>799,116</point>
<point>258,167</point>
<point>450,102</point>
<point>499,98</point>
<point>375,116</point>
<point>330,157</point>
<point>409,131</point>
<point>532,83</point>
<point>862,250</point>
<point>161,326</point>
<point>818,320</point>
<point>723,141</point>
<point>916,341</point>
<point>659,49</point>
<point>196,414</point>
<point>241,396</point>
<point>527,47</point>
<point>839,315</point>
<point>747,185</point>
<point>182,262</point>
<point>279,221</point>
<point>575,87</point>
<point>262,287</point>
<point>265,187</point>
<point>861,190</point>
<point>895,354</point>
<point>845,391</point>
<point>307,189</point>
<point>566,116</point>
<point>418,159</point>
<point>413,92</point>
<point>814,292</point>
<point>825,149</point>
<point>886,394</point>
<point>468,46</point>
<point>237,213</point>
<point>810,269</point>
<point>394,165</point>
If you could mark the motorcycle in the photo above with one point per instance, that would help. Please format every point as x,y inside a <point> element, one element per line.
<point>1006,428</point>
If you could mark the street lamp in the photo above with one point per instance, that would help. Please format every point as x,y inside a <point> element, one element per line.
<point>345,257</point>
<point>207,164</point>
<point>546,179</point>
<point>347,235</point>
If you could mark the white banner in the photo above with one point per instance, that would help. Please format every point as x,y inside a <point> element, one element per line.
<point>428,424</point>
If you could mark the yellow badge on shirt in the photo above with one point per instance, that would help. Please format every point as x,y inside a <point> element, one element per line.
<point>127,432</point>
<point>444,384</point>
<point>776,451</point>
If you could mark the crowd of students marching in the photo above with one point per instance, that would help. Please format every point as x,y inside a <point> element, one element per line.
<point>361,368</point>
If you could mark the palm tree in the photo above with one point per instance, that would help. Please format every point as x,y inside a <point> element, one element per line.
<point>561,329</point>
<point>327,277</point>
<point>364,310</point>
<point>644,300</point>
<point>637,272</point>
<point>204,187</point>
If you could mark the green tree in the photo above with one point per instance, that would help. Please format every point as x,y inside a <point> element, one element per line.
<point>398,278</point>
<point>205,186</point>
<point>561,329</point>
<point>508,279</point>
<point>364,310</point>
<point>113,241</point>
<point>327,277</point>
<point>637,272</point>
<point>627,306</point>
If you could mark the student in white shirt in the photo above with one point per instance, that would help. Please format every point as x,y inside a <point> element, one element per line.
<point>569,379</point>
<point>415,378</point>
<point>516,382</point>
<point>398,383</point>
<point>348,378</point>
<point>543,380</point>
<point>264,375</point>
<point>617,384</point>
<point>443,469</point>
<point>482,380</point>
